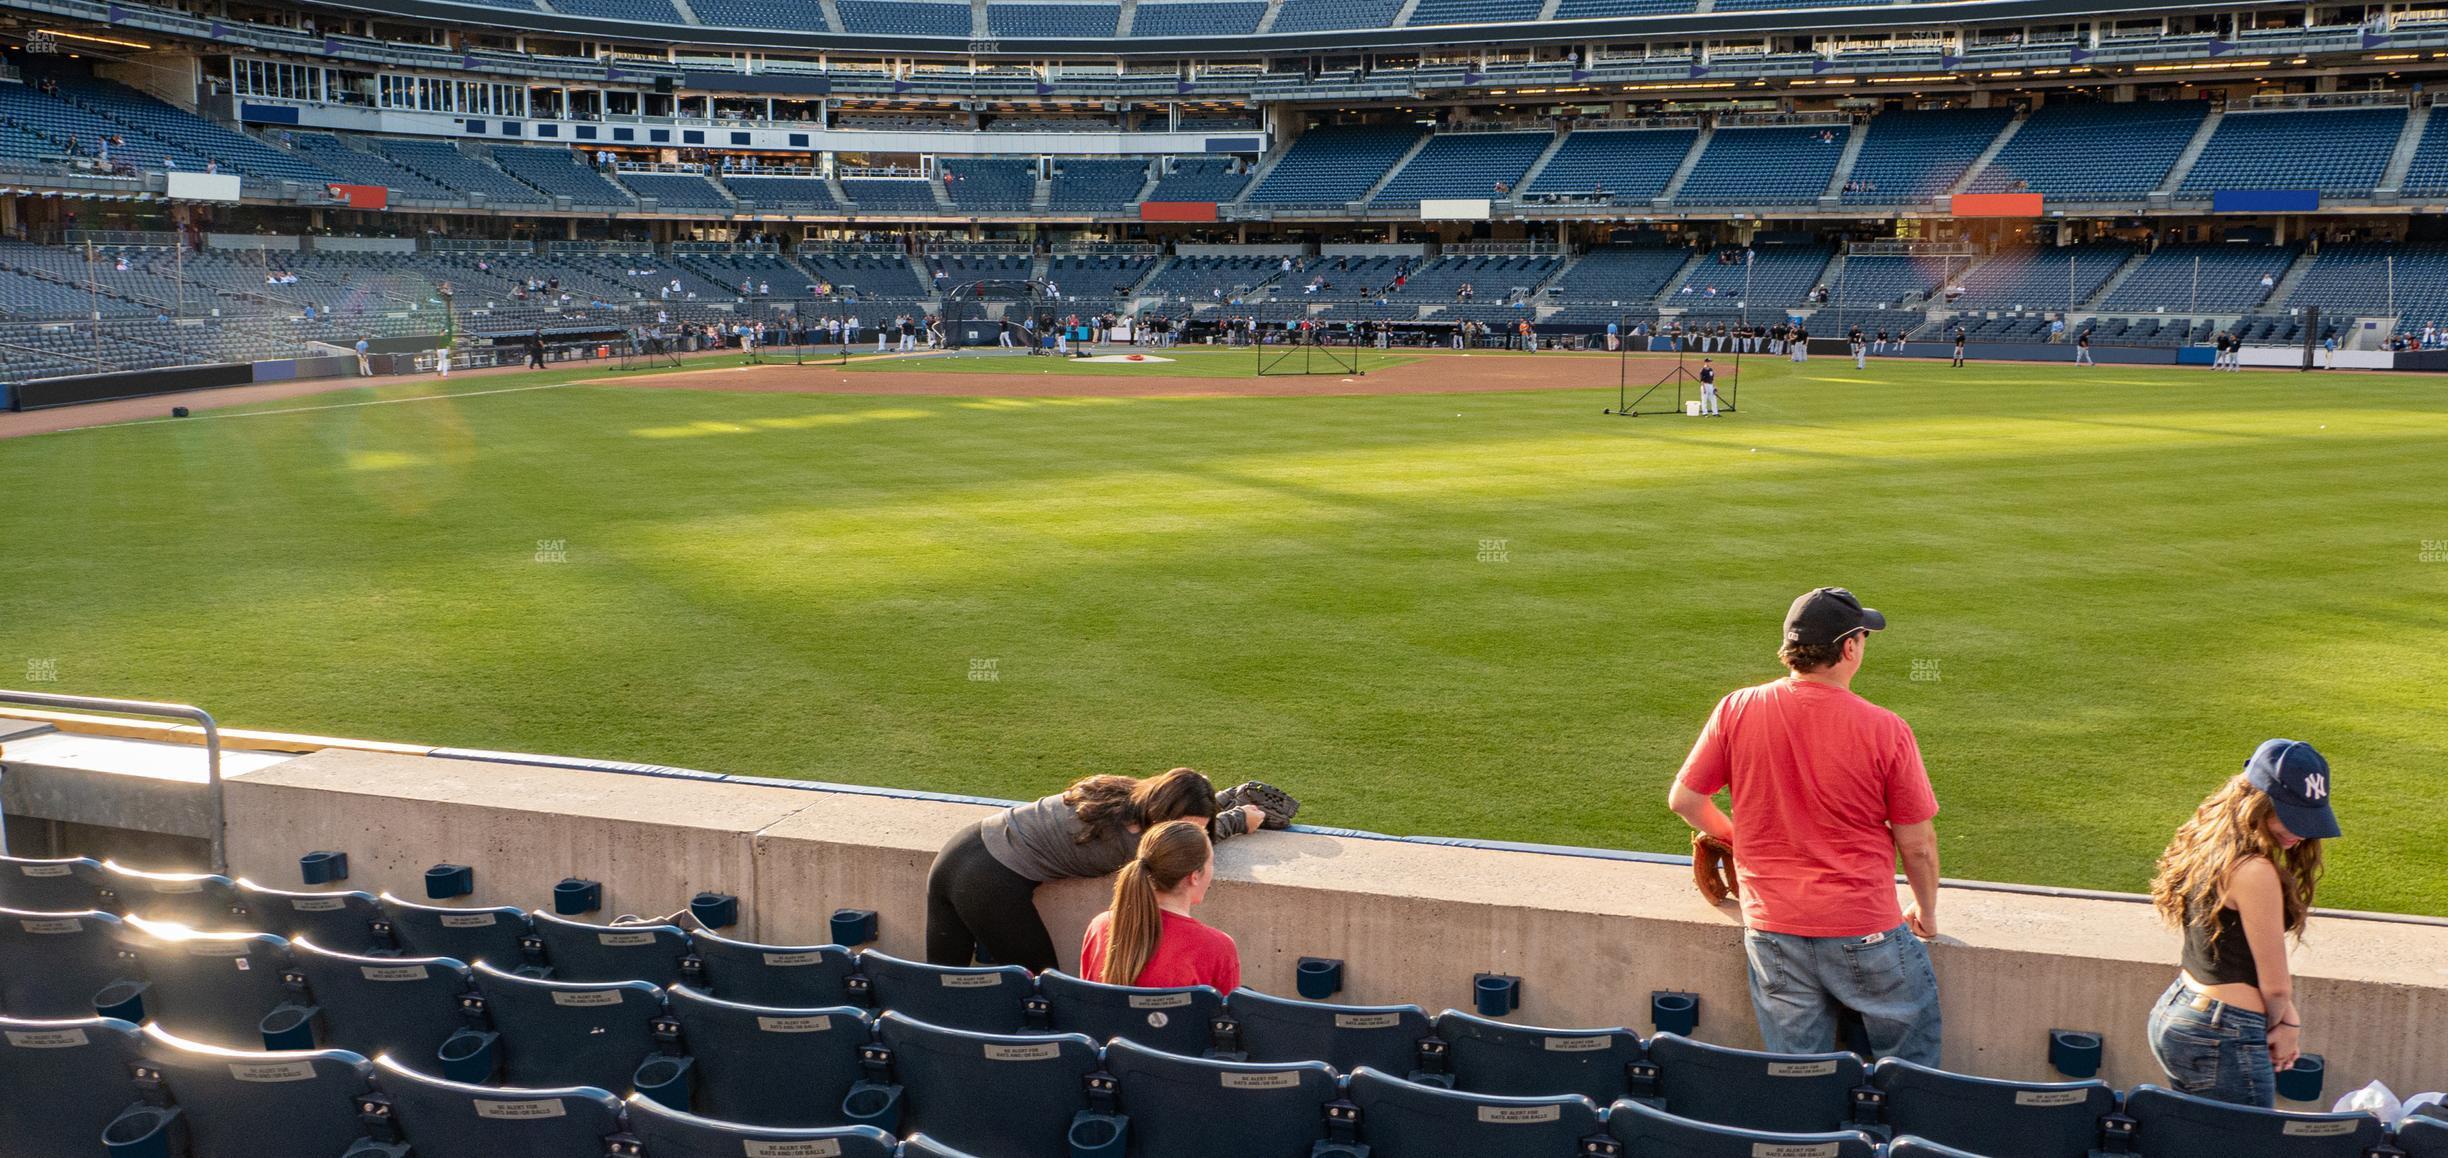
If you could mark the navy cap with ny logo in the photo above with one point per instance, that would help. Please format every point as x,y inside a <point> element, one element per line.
<point>2296,779</point>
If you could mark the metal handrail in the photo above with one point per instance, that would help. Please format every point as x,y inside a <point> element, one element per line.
<point>212,744</point>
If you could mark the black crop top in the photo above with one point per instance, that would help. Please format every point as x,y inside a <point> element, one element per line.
<point>2218,954</point>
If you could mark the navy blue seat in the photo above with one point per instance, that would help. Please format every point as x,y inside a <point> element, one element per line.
<point>62,1081</point>
<point>985,998</point>
<point>2001,1119</point>
<point>1492,1057</point>
<point>68,885</point>
<point>471,935</point>
<point>400,1006</point>
<point>203,901</point>
<point>1780,1093</point>
<point>921,1146</point>
<point>248,1104</point>
<point>1912,1147</point>
<point>2424,1136</point>
<point>1174,1020</point>
<point>214,988</point>
<point>768,1065</point>
<point>1404,1119</point>
<point>578,951</point>
<point>2168,1124</point>
<point>1648,1132</point>
<point>789,976</point>
<point>52,964</point>
<point>1277,1029</point>
<point>570,1033</point>
<point>1191,1107</point>
<point>445,1119</point>
<point>668,1133</point>
<point>343,921</point>
<point>1009,1095</point>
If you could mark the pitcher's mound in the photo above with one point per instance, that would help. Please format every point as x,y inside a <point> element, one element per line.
<point>1150,359</point>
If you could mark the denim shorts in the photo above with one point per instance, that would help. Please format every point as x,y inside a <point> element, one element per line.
<point>1798,985</point>
<point>2221,1052</point>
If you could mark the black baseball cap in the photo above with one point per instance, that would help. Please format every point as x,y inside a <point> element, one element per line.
<point>1825,615</point>
<point>2295,777</point>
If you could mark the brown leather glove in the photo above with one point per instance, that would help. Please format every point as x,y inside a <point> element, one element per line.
<point>1713,868</point>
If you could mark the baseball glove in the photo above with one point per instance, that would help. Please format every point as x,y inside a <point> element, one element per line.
<point>1713,868</point>
<point>1276,803</point>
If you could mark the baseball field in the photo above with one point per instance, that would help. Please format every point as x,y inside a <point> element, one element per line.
<point>1448,596</point>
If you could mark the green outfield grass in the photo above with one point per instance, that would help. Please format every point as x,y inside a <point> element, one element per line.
<point>1497,615</point>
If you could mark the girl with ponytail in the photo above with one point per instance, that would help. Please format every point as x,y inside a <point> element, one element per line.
<point>1148,937</point>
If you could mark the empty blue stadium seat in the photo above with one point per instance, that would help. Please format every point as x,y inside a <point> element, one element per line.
<point>52,964</point>
<point>1783,165</point>
<point>1174,1020</point>
<point>206,901</point>
<point>1913,156</point>
<point>1780,1093</point>
<point>2169,1124</point>
<point>1648,1132</point>
<point>2219,278</point>
<point>64,1081</point>
<point>2094,152</point>
<point>1997,1118</point>
<point>986,998</point>
<point>246,1104</point>
<point>903,18</point>
<point>1402,1119</point>
<point>2341,152</point>
<point>1333,164</point>
<point>2428,175</point>
<point>921,1146</point>
<point>1225,18</point>
<point>67,885</point>
<point>2058,278</point>
<point>400,1006</point>
<point>1012,1096</point>
<point>570,1033</point>
<point>767,1065</point>
<point>1619,167</point>
<point>1912,1147</point>
<point>344,921</point>
<point>1463,165</point>
<point>790,976</point>
<point>2423,1136</point>
<point>1431,12</point>
<point>445,1119</point>
<point>1067,21</point>
<point>578,951</point>
<point>1321,15</point>
<point>488,935</point>
<point>1278,1029</point>
<point>1191,1107</point>
<point>1493,1057</point>
<point>668,1133</point>
<point>213,988</point>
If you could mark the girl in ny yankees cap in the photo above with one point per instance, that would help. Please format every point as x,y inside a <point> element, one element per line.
<point>2238,879</point>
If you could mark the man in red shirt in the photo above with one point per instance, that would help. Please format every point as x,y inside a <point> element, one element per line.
<point>1829,789</point>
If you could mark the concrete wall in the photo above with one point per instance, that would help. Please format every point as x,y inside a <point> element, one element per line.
<point>1590,937</point>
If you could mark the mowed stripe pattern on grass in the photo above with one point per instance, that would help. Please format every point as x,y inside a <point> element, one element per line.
<point>1497,615</point>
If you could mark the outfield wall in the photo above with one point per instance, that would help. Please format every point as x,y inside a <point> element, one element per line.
<point>1591,937</point>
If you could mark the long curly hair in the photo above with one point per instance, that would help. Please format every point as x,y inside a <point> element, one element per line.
<point>2229,827</point>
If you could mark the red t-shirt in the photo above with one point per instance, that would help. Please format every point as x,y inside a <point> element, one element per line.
<point>1187,953</point>
<point>1819,774</point>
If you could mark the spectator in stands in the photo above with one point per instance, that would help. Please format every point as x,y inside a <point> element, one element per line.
<point>981,891</point>
<point>1147,936</point>
<point>2238,879</point>
<point>1830,789</point>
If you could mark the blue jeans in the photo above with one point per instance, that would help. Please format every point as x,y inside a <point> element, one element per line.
<point>2220,1052</point>
<point>1799,983</point>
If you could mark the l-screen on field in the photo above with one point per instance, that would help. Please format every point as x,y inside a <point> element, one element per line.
<point>1447,596</point>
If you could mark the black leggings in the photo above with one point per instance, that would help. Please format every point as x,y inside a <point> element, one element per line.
<point>974,902</point>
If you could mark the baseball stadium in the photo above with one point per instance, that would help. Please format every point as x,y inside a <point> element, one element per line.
<point>1228,579</point>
